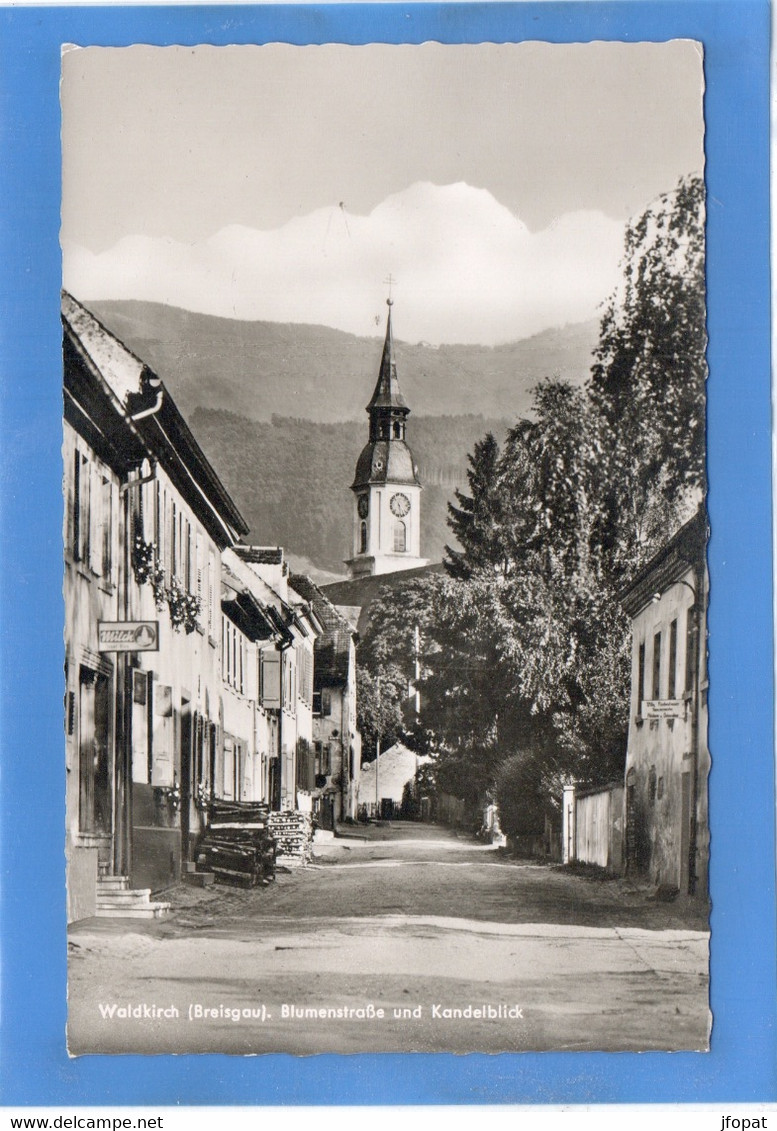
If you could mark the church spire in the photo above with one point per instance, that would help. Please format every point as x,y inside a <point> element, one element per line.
<point>387,394</point>
<point>387,489</point>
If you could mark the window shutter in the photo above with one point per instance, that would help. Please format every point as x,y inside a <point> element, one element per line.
<point>188,564</point>
<point>165,535</point>
<point>174,540</point>
<point>270,670</point>
<point>95,521</point>
<point>106,537</point>
<point>157,521</point>
<point>198,579</point>
<point>212,595</point>
<point>71,488</point>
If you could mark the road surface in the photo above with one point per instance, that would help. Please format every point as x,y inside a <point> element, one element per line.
<point>417,941</point>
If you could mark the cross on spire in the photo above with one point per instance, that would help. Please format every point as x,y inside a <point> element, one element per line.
<point>389,281</point>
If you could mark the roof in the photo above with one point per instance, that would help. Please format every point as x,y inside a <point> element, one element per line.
<point>397,767</point>
<point>362,591</point>
<point>260,555</point>
<point>164,432</point>
<point>251,616</point>
<point>386,461</point>
<point>684,551</point>
<point>387,392</point>
<point>333,646</point>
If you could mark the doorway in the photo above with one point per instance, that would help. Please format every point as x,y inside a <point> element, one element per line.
<point>94,771</point>
<point>186,775</point>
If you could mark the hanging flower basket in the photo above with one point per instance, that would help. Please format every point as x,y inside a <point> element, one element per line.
<point>143,559</point>
<point>148,569</point>
<point>184,608</point>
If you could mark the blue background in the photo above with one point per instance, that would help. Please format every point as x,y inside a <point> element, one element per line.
<point>741,1065</point>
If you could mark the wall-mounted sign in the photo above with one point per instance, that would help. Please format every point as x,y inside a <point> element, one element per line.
<point>663,709</point>
<point>128,636</point>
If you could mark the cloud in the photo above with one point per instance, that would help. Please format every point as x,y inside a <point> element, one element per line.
<point>466,268</point>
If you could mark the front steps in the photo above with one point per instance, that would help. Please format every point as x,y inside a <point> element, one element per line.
<point>117,900</point>
<point>193,878</point>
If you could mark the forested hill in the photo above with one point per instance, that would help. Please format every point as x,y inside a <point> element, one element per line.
<point>259,369</point>
<point>290,478</point>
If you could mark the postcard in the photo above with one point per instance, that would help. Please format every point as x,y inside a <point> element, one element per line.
<point>401,467</point>
<point>462,821</point>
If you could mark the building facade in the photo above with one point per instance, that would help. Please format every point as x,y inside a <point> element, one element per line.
<point>336,740</point>
<point>668,760</point>
<point>285,675</point>
<point>146,519</point>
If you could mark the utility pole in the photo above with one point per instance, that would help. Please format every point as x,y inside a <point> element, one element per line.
<point>377,760</point>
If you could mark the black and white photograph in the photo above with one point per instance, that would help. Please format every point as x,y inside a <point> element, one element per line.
<point>385,548</point>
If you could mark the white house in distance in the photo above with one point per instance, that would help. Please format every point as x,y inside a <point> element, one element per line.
<point>383,782</point>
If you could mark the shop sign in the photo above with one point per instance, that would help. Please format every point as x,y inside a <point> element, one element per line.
<point>663,709</point>
<point>128,636</point>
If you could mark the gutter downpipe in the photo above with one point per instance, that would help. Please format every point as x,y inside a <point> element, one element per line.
<point>154,382</point>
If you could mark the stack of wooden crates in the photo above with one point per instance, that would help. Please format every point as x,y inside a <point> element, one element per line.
<point>237,846</point>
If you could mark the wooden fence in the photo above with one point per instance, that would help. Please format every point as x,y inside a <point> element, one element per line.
<point>593,827</point>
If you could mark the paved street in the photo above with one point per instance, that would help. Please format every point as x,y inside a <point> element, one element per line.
<point>461,948</point>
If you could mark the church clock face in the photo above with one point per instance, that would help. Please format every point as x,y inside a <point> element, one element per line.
<point>400,505</point>
<point>363,506</point>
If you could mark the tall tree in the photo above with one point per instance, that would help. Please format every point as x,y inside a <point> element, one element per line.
<point>477,521</point>
<point>647,384</point>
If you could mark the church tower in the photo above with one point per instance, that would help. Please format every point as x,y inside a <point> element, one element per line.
<point>386,487</point>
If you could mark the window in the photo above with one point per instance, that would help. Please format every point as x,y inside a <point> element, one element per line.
<point>397,430</point>
<point>82,511</point>
<point>657,666</point>
<point>326,702</point>
<point>672,673</point>
<point>363,539</point>
<point>400,537</point>
<point>106,507</point>
<point>640,677</point>
<point>690,649</point>
<point>74,507</point>
<point>233,661</point>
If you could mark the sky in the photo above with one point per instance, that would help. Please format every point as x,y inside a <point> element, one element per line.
<point>492,182</point>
